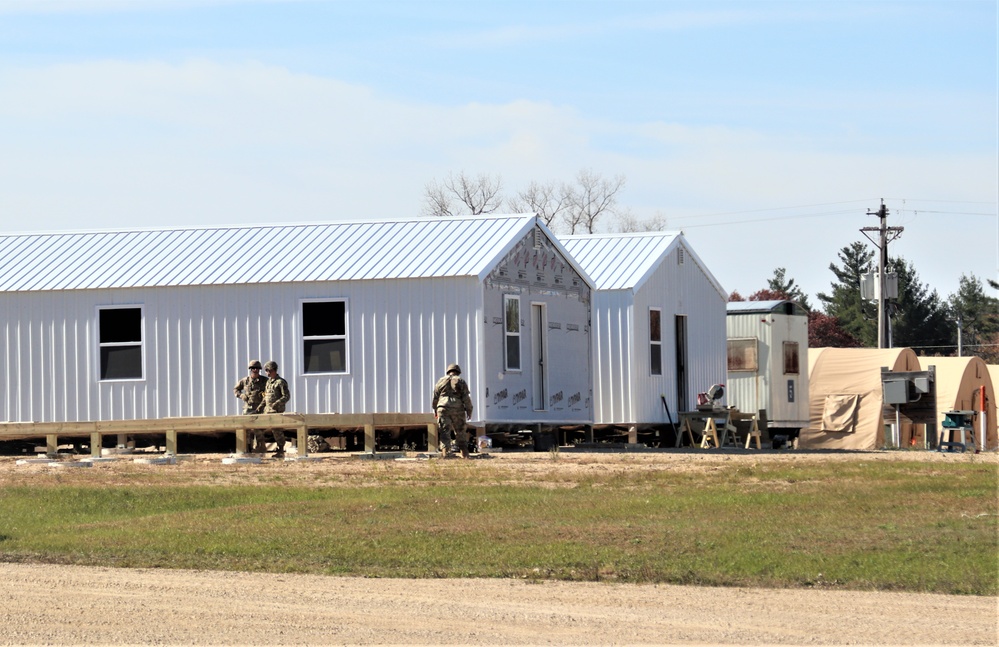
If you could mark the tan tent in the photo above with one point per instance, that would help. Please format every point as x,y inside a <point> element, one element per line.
<point>846,399</point>
<point>959,381</point>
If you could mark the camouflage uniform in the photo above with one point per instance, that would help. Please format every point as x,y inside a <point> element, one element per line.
<point>276,395</point>
<point>250,390</point>
<point>452,404</point>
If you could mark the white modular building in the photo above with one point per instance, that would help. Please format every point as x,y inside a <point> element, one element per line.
<point>362,317</point>
<point>658,325</point>
<point>768,361</point>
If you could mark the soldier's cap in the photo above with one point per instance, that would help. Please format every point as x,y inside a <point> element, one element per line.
<point>272,365</point>
<point>453,368</point>
<point>254,364</point>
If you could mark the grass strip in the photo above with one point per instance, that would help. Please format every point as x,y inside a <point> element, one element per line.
<point>877,526</point>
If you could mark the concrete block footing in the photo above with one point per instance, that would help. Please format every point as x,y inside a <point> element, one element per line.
<point>241,459</point>
<point>68,464</point>
<point>380,456</point>
<point>33,461</point>
<point>158,460</point>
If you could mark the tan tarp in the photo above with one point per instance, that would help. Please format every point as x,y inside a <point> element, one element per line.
<point>840,413</point>
<point>959,381</point>
<point>845,396</point>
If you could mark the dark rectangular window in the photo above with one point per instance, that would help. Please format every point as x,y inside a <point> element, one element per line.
<point>324,336</point>
<point>655,342</point>
<point>511,317</point>
<point>791,358</point>
<point>119,333</point>
<point>742,355</point>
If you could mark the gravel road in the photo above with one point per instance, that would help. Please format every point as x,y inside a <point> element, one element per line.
<point>64,605</point>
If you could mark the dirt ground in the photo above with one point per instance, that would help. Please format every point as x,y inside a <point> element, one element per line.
<point>45,604</point>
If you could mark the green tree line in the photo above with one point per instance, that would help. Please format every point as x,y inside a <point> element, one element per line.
<point>967,321</point>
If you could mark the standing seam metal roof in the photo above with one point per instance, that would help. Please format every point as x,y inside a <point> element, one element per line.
<point>620,261</point>
<point>336,251</point>
<point>626,261</point>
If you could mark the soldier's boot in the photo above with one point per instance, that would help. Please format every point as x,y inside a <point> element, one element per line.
<point>279,441</point>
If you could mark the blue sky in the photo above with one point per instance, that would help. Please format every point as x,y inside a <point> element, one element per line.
<point>765,130</point>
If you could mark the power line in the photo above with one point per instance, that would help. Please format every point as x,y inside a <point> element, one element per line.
<point>802,206</point>
<point>941,201</point>
<point>746,222</point>
<point>906,207</point>
<point>949,213</point>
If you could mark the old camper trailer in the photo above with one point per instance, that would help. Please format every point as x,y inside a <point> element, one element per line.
<point>768,362</point>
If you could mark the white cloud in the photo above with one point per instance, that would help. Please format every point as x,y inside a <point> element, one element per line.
<point>112,144</point>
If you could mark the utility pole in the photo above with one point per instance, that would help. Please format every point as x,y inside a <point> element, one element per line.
<point>885,235</point>
<point>960,350</point>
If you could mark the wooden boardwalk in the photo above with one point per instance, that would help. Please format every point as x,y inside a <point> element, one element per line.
<point>300,423</point>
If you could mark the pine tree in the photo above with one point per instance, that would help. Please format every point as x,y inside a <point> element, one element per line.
<point>844,303</point>
<point>978,315</point>
<point>919,319</point>
<point>782,285</point>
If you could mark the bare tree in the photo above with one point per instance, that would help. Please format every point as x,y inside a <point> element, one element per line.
<point>548,200</point>
<point>591,197</point>
<point>460,194</point>
<point>628,223</point>
<point>565,208</point>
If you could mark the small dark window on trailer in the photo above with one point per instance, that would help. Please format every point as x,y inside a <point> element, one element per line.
<point>120,342</point>
<point>742,355</point>
<point>791,358</point>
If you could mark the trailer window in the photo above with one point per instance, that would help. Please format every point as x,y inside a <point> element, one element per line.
<point>655,342</point>
<point>324,336</point>
<point>742,355</point>
<point>120,342</point>
<point>511,316</point>
<point>790,358</point>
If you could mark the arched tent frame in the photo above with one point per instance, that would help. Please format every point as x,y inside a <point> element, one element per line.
<point>959,381</point>
<point>846,399</point>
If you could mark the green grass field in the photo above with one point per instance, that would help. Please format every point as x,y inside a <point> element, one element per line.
<point>903,526</point>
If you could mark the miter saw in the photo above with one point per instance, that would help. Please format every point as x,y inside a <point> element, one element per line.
<point>711,399</point>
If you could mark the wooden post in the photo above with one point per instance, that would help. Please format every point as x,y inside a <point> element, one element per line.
<point>633,434</point>
<point>303,441</point>
<point>433,442</point>
<point>369,437</point>
<point>95,444</point>
<point>241,440</point>
<point>171,442</point>
<point>754,433</point>
<point>51,445</point>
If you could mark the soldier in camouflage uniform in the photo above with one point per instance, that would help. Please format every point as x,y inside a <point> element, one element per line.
<point>276,395</point>
<point>452,405</point>
<point>250,390</point>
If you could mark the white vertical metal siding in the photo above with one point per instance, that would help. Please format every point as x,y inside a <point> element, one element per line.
<point>679,289</point>
<point>613,354</point>
<point>197,341</point>
<point>625,390</point>
<point>750,390</point>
